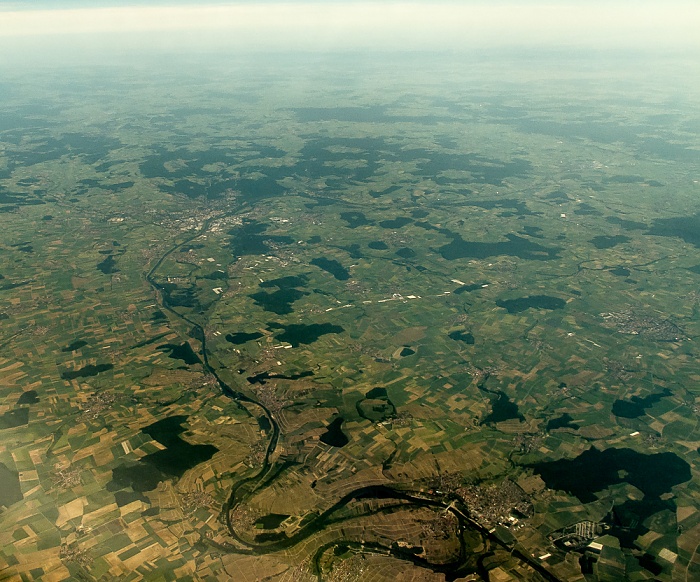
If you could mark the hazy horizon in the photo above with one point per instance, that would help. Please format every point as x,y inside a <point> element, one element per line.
<point>27,32</point>
<point>305,291</point>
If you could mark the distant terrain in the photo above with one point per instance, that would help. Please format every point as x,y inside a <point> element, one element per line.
<point>380,318</point>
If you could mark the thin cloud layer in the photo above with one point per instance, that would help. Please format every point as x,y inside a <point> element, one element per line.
<point>418,25</point>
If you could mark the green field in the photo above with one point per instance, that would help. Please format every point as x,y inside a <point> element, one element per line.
<point>340,304</point>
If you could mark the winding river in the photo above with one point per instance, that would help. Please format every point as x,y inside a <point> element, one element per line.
<point>464,563</point>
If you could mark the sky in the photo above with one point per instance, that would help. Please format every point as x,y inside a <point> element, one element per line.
<point>337,25</point>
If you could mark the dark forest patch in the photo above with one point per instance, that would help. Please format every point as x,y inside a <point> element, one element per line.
<point>626,224</point>
<point>531,302</point>
<point>686,228</point>
<point>514,246</point>
<point>280,301</point>
<point>297,334</point>
<point>333,267</point>
<point>396,223</point>
<point>108,265</point>
<point>76,345</point>
<point>14,418</point>
<point>178,457</point>
<point>355,219</point>
<point>334,435</point>
<point>594,471</point>
<point>28,397</point>
<point>406,253</point>
<point>462,336</point>
<point>609,241</point>
<point>250,238</point>
<point>564,421</point>
<point>182,352</point>
<point>502,409</point>
<point>10,489</point>
<point>240,338</point>
<point>636,406</point>
<point>86,372</point>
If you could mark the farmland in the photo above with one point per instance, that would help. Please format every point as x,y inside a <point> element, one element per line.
<point>276,323</point>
